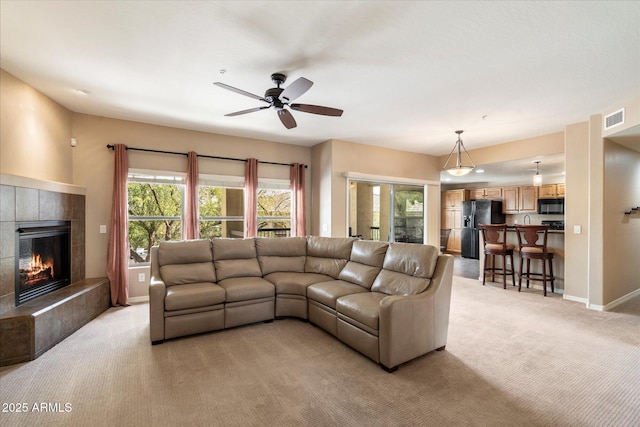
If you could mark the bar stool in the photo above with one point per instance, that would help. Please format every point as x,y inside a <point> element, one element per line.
<point>528,237</point>
<point>495,243</point>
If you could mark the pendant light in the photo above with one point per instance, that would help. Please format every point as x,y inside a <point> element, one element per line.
<point>537,178</point>
<point>459,169</point>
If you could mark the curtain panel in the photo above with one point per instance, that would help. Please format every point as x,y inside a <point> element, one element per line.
<point>298,214</point>
<point>191,225</point>
<point>118,249</point>
<point>251,198</point>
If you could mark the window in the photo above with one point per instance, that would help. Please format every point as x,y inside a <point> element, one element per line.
<point>155,204</point>
<point>274,208</point>
<point>221,206</point>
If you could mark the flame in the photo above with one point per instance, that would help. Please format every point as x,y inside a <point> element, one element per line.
<point>37,266</point>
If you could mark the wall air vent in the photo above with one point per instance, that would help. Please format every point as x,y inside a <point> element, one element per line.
<point>614,119</point>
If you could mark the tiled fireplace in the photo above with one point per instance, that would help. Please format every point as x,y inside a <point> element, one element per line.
<point>44,294</point>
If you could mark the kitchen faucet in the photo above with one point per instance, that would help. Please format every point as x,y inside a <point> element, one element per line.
<point>525,219</point>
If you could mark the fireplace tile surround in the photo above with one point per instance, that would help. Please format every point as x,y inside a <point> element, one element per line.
<point>34,327</point>
<point>24,204</point>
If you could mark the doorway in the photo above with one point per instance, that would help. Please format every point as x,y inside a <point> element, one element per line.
<point>387,212</point>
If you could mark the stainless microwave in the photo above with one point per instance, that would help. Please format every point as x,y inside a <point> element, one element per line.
<point>551,206</point>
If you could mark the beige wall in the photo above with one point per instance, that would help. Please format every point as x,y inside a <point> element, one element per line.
<point>94,164</point>
<point>35,136</point>
<point>621,232</point>
<point>576,211</point>
<point>552,143</point>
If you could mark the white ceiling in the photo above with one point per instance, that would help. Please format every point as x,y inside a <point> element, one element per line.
<point>407,74</point>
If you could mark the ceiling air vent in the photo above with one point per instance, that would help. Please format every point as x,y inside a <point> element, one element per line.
<point>614,119</point>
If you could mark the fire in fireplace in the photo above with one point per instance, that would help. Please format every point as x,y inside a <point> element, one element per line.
<point>43,263</point>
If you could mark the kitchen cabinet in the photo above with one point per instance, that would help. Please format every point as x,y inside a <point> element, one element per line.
<point>551,191</point>
<point>451,216</point>
<point>485,193</point>
<point>453,199</point>
<point>519,200</point>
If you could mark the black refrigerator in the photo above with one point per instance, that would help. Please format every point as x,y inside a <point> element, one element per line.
<point>474,213</point>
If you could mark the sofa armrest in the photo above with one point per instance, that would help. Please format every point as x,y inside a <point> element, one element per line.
<point>157,292</point>
<point>413,325</point>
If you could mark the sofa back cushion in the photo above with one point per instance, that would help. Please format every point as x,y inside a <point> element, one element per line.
<point>407,269</point>
<point>281,254</point>
<point>366,261</point>
<point>187,261</point>
<point>327,255</point>
<point>235,258</point>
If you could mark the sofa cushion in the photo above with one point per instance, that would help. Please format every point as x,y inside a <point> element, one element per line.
<point>359,274</point>
<point>412,259</point>
<point>235,258</point>
<point>407,269</point>
<point>193,295</point>
<point>281,254</point>
<point>233,249</point>
<point>328,292</point>
<point>282,246</point>
<point>247,288</point>
<point>180,274</point>
<point>363,308</point>
<point>366,261</point>
<point>369,252</point>
<point>295,283</point>
<point>327,255</point>
<point>228,268</point>
<point>184,252</point>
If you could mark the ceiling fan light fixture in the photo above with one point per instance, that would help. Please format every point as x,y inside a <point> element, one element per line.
<point>458,168</point>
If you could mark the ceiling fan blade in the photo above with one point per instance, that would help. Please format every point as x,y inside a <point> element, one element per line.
<point>287,119</point>
<point>296,89</point>
<point>240,91</point>
<point>317,109</point>
<point>250,110</point>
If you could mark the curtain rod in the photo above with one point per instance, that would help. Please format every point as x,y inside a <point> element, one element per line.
<point>112,147</point>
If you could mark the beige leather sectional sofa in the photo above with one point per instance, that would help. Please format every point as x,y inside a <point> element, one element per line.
<point>389,301</point>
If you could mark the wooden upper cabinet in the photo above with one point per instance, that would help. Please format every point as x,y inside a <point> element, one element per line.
<point>529,199</point>
<point>560,190</point>
<point>510,200</point>
<point>493,193</point>
<point>453,198</point>
<point>485,193</point>
<point>551,191</point>
<point>519,199</point>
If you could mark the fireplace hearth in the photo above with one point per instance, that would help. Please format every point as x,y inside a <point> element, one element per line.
<point>43,264</point>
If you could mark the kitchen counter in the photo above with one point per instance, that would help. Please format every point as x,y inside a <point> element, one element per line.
<point>555,244</point>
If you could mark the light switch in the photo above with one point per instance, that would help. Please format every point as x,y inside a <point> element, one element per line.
<point>577,229</point>
<point>103,229</point>
<point>140,277</point>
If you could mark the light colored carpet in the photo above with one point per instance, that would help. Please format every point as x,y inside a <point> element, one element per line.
<point>512,359</point>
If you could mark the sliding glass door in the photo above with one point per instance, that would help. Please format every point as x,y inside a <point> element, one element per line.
<point>386,212</point>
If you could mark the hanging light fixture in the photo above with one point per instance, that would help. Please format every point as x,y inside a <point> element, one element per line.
<point>537,178</point>
<point>459,169</point>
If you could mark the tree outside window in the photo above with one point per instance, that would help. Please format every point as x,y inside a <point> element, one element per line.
<point>155,214</point>
<point>274,212</point>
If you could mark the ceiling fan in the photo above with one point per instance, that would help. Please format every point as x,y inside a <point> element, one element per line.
<point>279,98</point>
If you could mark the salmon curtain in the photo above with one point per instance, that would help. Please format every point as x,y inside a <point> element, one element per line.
<point>118,249</point>
<point>191,226</point>
<point>251,198</point>
<point>298,216</point>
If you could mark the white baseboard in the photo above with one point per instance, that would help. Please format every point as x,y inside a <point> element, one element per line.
<point>575,299</point>
<point>137,300</point>
<point>621,300</point>
<point>605,307</point>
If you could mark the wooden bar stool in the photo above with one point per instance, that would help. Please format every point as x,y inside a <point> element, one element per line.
<point>528,237</point>
<point>495,243</point>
